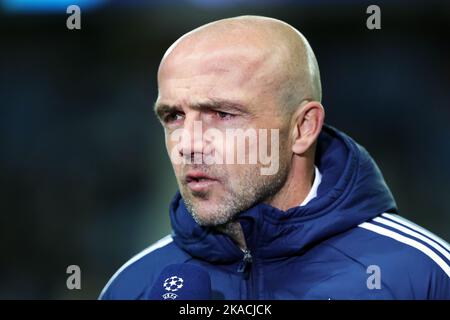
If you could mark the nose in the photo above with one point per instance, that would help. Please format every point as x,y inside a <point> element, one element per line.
<point>191,146</point>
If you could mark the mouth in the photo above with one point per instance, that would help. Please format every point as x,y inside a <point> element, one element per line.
<point>198,181</point>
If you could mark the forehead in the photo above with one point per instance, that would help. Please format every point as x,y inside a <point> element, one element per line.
<point>216,72</point>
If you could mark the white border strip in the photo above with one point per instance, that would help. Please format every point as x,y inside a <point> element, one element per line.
<point>159,244</point>
<point>414,234</point>
<point>417,228</point>
<point>408,241</point>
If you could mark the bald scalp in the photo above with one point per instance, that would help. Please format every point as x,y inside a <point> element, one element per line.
<point>282,54</point>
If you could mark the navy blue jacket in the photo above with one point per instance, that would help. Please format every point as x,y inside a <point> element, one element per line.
<point>347,243</point>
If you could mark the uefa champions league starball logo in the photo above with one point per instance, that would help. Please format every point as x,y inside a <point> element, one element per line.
<point>172,284</point>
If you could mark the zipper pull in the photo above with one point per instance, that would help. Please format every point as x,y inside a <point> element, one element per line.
<point>247,260</point>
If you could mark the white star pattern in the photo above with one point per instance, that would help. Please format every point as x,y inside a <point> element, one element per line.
<point>173,283</point>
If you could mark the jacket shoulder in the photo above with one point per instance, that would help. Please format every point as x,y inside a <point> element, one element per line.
<point>412,262</point>
<point>136,276</point>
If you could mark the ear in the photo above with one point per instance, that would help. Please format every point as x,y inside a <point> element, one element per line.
<point>308,122</point>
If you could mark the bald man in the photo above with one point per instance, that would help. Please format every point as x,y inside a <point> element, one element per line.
<point>321,225</point>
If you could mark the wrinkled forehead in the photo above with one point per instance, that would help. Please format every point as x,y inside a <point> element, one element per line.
<point>222,67</point>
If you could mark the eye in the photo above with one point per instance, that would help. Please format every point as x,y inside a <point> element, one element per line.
<point>173,116</point>
<point>224,115</point>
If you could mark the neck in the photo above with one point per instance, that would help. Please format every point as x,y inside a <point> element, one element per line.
<point>294,191</point>
<point>233,229</point>
<point>297,186</point>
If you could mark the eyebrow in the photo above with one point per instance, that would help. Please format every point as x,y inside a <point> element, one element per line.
<point>162,109</point>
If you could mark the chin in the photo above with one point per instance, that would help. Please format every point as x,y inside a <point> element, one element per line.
<point>210,216</point>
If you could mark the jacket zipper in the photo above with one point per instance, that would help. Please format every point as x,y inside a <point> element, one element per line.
<point>244,268</point>
<point>246,262</point>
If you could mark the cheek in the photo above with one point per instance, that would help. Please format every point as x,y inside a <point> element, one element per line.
<point>214,143</point>
<point>236,174</point>
<point>171,148</point>
<point>168,145</point>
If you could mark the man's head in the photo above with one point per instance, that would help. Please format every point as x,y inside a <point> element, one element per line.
<point>247,73</point>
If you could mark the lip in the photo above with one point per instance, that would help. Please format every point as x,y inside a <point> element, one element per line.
<point>199,181</point>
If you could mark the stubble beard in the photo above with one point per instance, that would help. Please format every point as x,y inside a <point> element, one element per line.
<point>240,194</point>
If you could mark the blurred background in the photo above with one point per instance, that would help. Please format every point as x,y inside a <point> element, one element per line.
<point>84,175</point>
